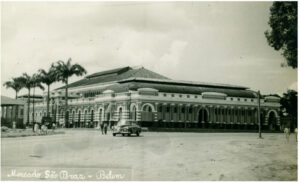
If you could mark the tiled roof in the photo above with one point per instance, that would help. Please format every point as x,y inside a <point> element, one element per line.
<point>183,83</point>
<point>115,75</point>
<point>127,78</point>
<point>10,101</point>
<point>173,88</point>
<point>112,71</point>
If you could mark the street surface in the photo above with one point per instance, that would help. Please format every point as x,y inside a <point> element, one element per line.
<point>89,155</point>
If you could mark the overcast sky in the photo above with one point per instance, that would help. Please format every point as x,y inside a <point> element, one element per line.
<point>221,42</point>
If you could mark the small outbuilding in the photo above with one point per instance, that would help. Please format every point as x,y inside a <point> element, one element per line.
<point>12,110</point>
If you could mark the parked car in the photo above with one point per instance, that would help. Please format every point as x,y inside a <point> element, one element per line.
<point>126,127</point>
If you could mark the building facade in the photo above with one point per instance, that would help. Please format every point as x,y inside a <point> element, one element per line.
<point>154,100</point>
<point>12,110</point>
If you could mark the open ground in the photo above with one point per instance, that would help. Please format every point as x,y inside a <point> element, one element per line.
<point>155,156</point>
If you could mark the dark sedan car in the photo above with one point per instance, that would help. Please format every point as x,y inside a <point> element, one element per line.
<point>126,127</point>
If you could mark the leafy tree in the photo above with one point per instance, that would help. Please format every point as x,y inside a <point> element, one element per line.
<point>289,105</point>
<point>48,77</point>
<point>15,84</point>
<point>64,70</point>
<point>283,36</point>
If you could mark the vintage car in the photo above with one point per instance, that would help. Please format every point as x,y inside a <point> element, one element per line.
<point>126,127</point>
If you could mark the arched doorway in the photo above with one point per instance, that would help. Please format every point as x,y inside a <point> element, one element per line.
<point>202,117</point>
<point>272,120</point>
<point>147,113</point>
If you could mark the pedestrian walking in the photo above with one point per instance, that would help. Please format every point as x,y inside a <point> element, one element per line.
<point>287,134</point>
<point>105,128</point>
<point>102,127</point>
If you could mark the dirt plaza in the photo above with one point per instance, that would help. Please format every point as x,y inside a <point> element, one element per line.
<point>152,156</point>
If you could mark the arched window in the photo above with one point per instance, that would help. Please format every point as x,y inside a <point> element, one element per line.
<point>160,108</point>
<point>79,116</point>
<point>85,116</point>
<point>182,110</point>
<point>168,109</point>
<point>73,115</point>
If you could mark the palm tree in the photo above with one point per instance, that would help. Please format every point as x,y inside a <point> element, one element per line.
<point>15,84</point>
<point>48,78</point>
<point>27,83</point>
<point>63,72</point>
<point>36,82</point>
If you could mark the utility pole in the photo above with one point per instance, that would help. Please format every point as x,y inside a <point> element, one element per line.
<point>258,115</point>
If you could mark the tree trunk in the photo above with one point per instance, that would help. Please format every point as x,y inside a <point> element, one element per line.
<point>28,106</point>
<point>16,95</point>
<point>66,104</point>
<point>48,100</point>
<point>33,105</point>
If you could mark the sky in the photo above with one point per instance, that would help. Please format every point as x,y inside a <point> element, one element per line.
<point>218,42</point>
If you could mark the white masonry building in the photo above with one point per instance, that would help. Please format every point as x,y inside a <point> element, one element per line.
<point>154,100</point>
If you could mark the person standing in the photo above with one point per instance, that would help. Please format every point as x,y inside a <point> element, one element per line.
<point>53,127</point>
<point>36,127</point>
<point>287,134</point>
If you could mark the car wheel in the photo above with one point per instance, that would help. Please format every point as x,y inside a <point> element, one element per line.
<point>129,134</point>
<point>114,134</point>
<point>123,134</point>
<point>137,134</point>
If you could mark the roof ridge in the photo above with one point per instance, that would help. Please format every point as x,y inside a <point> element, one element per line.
<point>221,85</point>
<point>107,72</point>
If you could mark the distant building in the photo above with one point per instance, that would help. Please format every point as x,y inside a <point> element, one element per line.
<point>154,100</point>
<point>12,110</point>
<point>36,98</point>
<point>33,99</point>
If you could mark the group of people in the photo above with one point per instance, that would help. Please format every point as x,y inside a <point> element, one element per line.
<point>42,129</point>
<point>287,133</point>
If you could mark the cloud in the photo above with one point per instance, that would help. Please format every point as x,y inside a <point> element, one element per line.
<point>220,42</point>
<point>294,86</point>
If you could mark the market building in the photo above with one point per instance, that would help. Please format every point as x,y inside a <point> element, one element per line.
<point>153,100</point>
